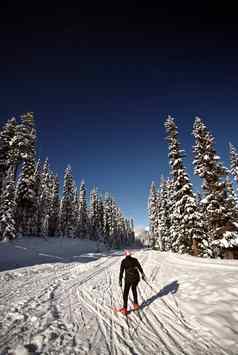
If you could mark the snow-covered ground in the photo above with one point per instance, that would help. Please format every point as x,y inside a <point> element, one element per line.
<point>30,251</point>
<point>65,306</point>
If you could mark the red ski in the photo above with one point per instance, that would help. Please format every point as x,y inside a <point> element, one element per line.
<point>120,310</point>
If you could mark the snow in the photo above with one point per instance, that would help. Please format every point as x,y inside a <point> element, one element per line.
<point>205,200</point>
<point>27,251</point>
<point>235,224</point>
<point>64,306</point>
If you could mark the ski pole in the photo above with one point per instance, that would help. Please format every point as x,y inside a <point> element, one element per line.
<point>149,285</point>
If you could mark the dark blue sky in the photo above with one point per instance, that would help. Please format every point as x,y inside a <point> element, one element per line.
<point>101,82</point>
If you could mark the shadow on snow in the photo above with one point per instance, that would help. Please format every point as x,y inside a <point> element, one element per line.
<point>170,288</point>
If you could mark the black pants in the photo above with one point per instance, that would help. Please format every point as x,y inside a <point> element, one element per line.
<point>133,286</point>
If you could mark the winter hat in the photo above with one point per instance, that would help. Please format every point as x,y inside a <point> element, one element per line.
<point>127,253</point>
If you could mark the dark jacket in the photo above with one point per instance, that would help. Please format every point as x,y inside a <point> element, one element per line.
<point>131,266</point>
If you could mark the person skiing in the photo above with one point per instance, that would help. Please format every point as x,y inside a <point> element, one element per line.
<point>131,266</point>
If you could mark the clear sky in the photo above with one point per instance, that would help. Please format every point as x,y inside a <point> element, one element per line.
<point>102,80</point>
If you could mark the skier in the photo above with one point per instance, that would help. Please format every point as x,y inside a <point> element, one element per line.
<point>131,266</point>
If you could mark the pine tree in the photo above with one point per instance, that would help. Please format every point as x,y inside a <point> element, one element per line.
<point>128,230</point>
<point>164,217</point>
<point>23,145</point>
<point>7,209</point>
<point>23,148</point>
<point>123,231</point>
<point>67,205</point>
<point>113,223</point>
<point>157,241</point>
<point>208,166</point>
<point>153,210</point>
<point>7,135</point>
<point>185,215</point>
<point>54,227</point>
<point>37,189</point>
<point>229,234</point>
<point>45,200</point>
<point>231,195</point>
<point>94,220</point>
<point>120,237</point>
<point>116,237</point>
<point>27,132</point>
<point>83,221</point>
<point>75,210</point>
<point>205,246</point>
<point>107,218</point>
<point>132,231</point>
<point>101,218</point>
<point>233,162</point>
<point>168,237</point>
<point>110,221</point>
<point>26,198</point>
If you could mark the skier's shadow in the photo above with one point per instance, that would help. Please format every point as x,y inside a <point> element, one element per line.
<point>170,288</point>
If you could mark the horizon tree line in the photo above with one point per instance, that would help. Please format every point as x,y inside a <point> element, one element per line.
<point>30,199</point>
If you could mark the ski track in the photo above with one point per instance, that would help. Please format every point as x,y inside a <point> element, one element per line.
<point>67,309</point>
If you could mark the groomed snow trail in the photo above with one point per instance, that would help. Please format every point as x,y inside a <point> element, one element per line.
<point>67,309</point>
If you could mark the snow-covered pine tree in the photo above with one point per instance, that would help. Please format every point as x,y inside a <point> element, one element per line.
<point>126,235</point>
<point>110,220</point>
<point>153,211</point>
<point>45,200</point>
<point>186,219</point>
<point>27,131</point>
<point>128,230</point>
<point>23,145</point>
<point>157,241</point>
<point>94,220</point>
<point>7,135</point>
<point>75,210</point>
<point>132,231</point>
<point>37,188</point>
<point>208,166</point>
<point>205,246</point>
<point>123,231</point>
<point>119,237</point>
<point>168,237</point>
<point>106,218</point>
<point>229,232</point>
<point>113,222</point>
<point>116,237</point>
<point>83,220</point>
<point>164,217</point>
<point>233,162</point>
<point>8,208</point>
<point>101,218</point>
<point>26,198</point>
<point>67,205</point>
<point>54,227</point>
<point>231,195</point>
<point>23,148</point>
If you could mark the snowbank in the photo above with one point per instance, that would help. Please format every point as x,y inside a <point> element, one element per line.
<point>28,251</point>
